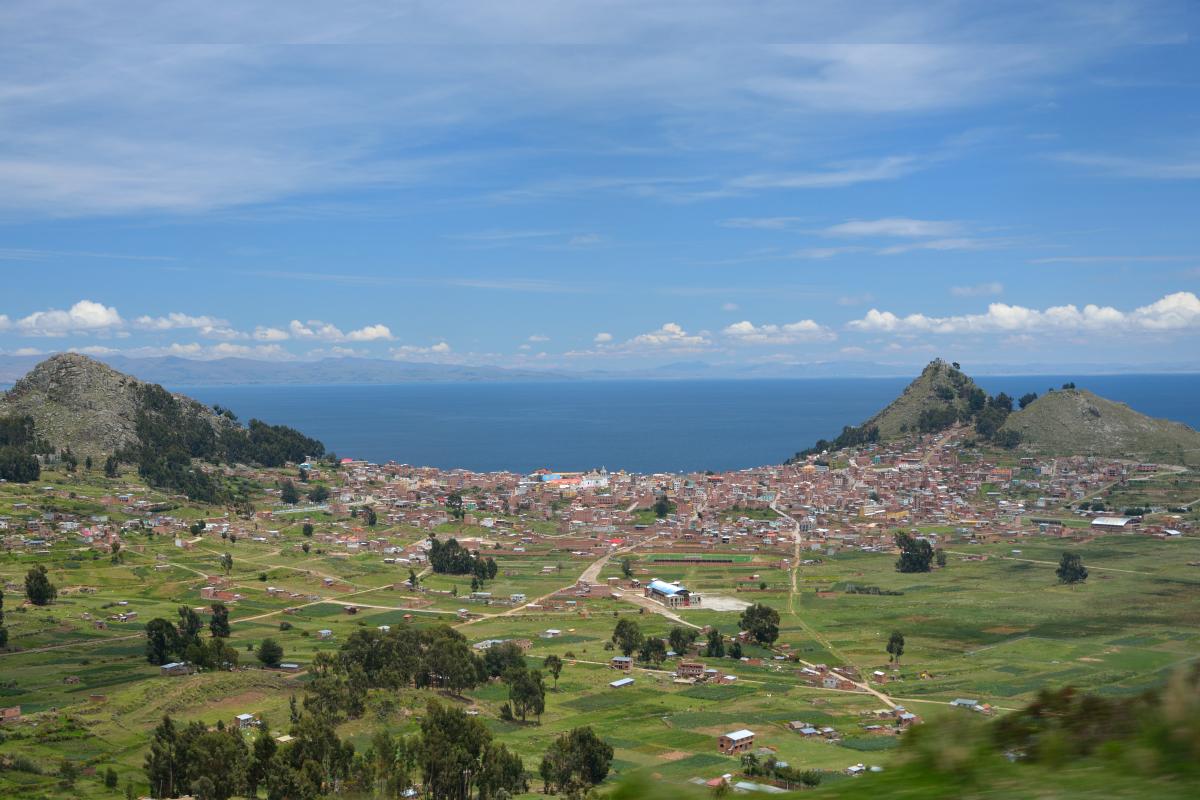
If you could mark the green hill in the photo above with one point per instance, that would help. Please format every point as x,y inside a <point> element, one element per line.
<point>1078,422</point>
<point>941,394</point>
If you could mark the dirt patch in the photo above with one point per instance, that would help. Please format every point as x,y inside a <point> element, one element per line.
<point>719,603</point>
<point>1004,630</point>
<point>1091,660</point>
<point>674,755</point>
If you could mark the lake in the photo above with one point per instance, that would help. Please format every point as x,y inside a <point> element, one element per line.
<point>642,426</point>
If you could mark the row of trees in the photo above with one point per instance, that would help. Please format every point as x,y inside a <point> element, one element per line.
<point>759,620</point>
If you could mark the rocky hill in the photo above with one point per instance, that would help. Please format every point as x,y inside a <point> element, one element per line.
<point>941,393</point>
<point>1078,422</point>
<point>80,403</point>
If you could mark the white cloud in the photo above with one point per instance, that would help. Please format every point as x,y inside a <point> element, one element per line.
<point>414,351</point>
<point>671,335</point>
<point>894,227</point>
<point>85,316</point>
<point>822,253</point>
<point>791,333</point>
<point>193,350</point>
<point>585,240</point>
<point>979,290</point>
<point>957,243</point>
<point>1174,312</point>
<point>4,322</point>
<point>602,338</point>
<point>537,337</point>
<point>328,332</point>
<point>730,307</point>
<point>835,176</point>
<point>266,334</point>
<point>177,321</point>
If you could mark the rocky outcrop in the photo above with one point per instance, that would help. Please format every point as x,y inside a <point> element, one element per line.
<point>80,403</point>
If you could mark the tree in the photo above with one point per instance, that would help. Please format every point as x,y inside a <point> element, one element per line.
<point>1071,569</point>
<point>227,562</point>
<point>940,557</point>
<point>289,494</point>
<point>165,764</point>
<point>162,641</point>
<point>762,622</point>
<point>219,624</point>
<point>553,665</point>
<point>451,756</point>
<point>413,580</point>
<point>110,779</point>
<point>916,555</point>
<point>895,647</point>
<point>190,626</point>
<point>715,647</point>
<point>735,649</point>
<point>307,529</point>
<point>662,506</point>
<point>1027,398</point>
<point>38,588</point>
<point>454,502</point>
<point>653,650</point>
<point>526,691</point>
<point>627,567</point>
<point>270,653</point>
<point>681,638</point>
<point>112,467</point>
<point>627,636</point>
<point>575,762</point>
<point>305,546</point>
<point>318,494</point>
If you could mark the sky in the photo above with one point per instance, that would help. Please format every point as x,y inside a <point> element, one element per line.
<point>603,185</point>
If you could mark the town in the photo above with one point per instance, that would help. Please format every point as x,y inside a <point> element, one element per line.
<point>680,563</point>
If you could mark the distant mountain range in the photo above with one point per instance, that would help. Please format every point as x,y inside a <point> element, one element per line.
<point>175,371</point>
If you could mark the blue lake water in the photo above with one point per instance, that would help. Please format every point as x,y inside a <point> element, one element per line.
<point>644,426</point>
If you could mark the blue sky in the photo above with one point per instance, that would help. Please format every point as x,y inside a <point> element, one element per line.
<point>603,185</point>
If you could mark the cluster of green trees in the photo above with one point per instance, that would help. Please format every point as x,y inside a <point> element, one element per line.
<point>451,558</point>
<point>916,555</point>
<point>289,494</point>
<point>435,657</point>
<point>169,438</point>
<point>168,641</point>
<point>218,764</point>
<point>19,449</point>
<point>849,437</point>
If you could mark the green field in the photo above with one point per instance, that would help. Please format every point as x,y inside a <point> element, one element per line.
<point>997,630</point>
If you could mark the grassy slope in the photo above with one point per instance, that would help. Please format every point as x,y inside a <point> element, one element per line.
<point>920,395</point>
<point>1075,421</point>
